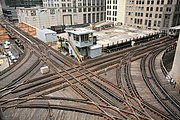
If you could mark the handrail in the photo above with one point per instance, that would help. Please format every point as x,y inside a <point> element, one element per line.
<point>78,54</point>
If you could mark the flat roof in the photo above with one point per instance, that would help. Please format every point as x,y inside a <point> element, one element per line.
<point>104,24</point>
<point>47,31</point>
<point>95,46</point>
<point>63,35</point>
<point>80,31</point>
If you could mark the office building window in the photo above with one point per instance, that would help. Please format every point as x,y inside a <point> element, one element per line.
<point>151,9</point>
<point>33,13</point>
<point>97,8</point>
<point>160,16</point>
<point>158,2</point>
<point>114,1</point>
<point>161,9</point>
<point>150,15</point>
<point>89,9</point>
<point>159,23</point>
<point>157,8</point>
<point>97,17</point>
<point>145,22</point>
<point>108,12</point>
<point>152,2</point>
<point>102,16</point>
<point>147,9</point>
<point>80,9</point>
<point>93,17</point>
<point>168,9</point>
<point>156,15</point>
<point>162,2</point>
<point>169,1</point>
<point>84,18</point>
<point>69,10</point>
<point>155,22</point>
<point>115,7</point>
<point>149,23</point>
<point>143,2</point>
<point>89,18</point>
<point>52,11</point>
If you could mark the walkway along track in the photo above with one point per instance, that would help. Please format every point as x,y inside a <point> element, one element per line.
<point>131,86</point>
<point>92,89</point>
<point>156,78</point>
<point>158,96</point>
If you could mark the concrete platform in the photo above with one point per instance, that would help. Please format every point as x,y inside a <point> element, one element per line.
<point>119,34</point>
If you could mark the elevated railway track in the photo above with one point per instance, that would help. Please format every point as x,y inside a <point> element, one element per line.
<point>74,87</point>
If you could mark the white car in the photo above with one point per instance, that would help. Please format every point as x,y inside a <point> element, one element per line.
<point>13,58</point>
<point>6,46</point>
<point>9,53</point>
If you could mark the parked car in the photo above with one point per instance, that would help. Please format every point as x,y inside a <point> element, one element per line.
<point>7,44</point>
<point>13,58</point>
<point>9,53</point>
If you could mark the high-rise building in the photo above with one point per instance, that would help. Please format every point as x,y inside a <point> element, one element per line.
<point>146,14</point>
<point>64,12</point>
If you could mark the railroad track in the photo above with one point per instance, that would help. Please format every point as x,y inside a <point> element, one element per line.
<point>156,78</point>
<point>131,87</point>
<point>159,96</point>
<point>53,66</point>
<point>99,63</point>
<point>68,74</point>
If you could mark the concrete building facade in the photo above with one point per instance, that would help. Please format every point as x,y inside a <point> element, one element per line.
<point>39,17</point>
<point>64,12</point>
<point>146,14</point>
<point>9,7</point>
<point>79,11</point>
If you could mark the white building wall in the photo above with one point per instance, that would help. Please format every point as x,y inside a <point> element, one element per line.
<point>46,35</point>
<point>115,11</point>
<point>121,8</point>
<point>42,17</point>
